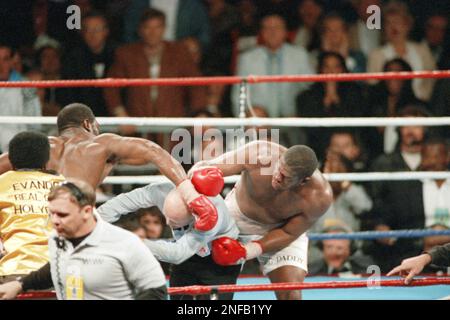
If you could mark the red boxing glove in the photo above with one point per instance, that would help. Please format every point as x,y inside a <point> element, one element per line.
<point>205,213</point>
<point>227,251</point>
<point>208,181</point>
<point>202,208</point>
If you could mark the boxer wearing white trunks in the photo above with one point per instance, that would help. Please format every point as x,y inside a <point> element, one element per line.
<point>279,196</point>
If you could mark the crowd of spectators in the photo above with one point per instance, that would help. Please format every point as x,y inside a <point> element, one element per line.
<point>189,38</point>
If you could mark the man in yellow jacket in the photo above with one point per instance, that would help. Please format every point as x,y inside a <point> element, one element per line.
<point>24,218</point>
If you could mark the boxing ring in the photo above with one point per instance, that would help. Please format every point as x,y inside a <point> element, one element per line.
<point>259,288</point>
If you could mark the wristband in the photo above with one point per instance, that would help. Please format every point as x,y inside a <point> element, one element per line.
<point>187,191</point>
<point>253,250</point>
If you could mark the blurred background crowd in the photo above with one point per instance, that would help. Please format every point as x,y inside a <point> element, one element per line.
<point>189,38</point>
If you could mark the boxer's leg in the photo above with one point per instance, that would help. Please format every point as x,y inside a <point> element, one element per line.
<point>287,265</point>
<point>287,274</point>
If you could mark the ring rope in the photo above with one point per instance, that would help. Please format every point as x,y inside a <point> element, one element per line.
<point>198,290</point>
<point>370,235</point>
<point>237,122</point>
<point>363,176</point>
<point>251,79</point>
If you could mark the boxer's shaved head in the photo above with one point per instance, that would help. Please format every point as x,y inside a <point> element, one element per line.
<point>176,211</point>
<point>301,161</point>
<point>74,115</point>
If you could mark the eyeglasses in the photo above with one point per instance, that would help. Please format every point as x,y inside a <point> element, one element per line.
<point>75,191</point>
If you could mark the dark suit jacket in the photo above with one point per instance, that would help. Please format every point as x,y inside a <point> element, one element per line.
<point>79,63</point>
<point>172,101</point>
<point>399,205</point>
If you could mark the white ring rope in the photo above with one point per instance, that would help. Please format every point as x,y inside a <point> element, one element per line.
<point>366,176</point>
<point>236,122</point>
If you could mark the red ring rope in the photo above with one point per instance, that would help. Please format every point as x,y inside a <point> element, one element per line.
<point>199,81</point>
<point>197,290</point>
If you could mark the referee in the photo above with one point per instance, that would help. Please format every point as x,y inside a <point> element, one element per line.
<point>91,259</point>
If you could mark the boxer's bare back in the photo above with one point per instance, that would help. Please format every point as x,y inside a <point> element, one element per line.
<point>80,158</point>
<point>81,154</point>
<point>255,193</point>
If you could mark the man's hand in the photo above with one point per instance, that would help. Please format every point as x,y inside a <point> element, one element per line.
<point>10,290</point>
<point>227,251</point>
<point>202,208</point>
<point>412,266</point>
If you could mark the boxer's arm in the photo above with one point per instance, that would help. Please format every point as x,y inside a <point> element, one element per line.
<point>236,161</point>
<point>279,238</point>
<point>282,237</point>
<point>5,164</point>
<point>137,151</point>
<point>145,197</point>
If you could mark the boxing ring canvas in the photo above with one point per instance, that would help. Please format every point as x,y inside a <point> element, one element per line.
<point>382,293</point>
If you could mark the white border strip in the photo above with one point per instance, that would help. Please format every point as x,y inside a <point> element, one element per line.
<point>236,122</point>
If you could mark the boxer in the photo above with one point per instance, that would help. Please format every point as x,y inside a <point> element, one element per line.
<point>279,196</point>
<point>82,153</point>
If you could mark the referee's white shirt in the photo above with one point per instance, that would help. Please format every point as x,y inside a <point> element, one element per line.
<point>111,263</point>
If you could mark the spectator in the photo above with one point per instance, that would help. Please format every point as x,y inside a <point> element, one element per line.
<point>397,25</point>
<point>24,221</point>
<point>348,144</point>
<point>91,59</point>
<point>440,100</point>
<point>309,12</point>
<point>49,64</point>
<point>273,57</point>
<point>335,38</point>
<point>152,221</point>
<point>50,23</point>
<point>436,193</point>
<point>131,223</point>
<point>193,46</point>
<point>407,154</point>
<point>16,62</point>
<point>186,18</point>
<point>350,200</point>
<point>283,8</point>
<point>393,207</point>
<point>440,103</point>
<point>152,225</point>
<point>340,256</point>
<point>218,97</point>
<point>361,37</point>
<point>248,28</point>
<point>224,19</point>
<point>386,99</point>
<point>435,28</point>
<point>48,107</point>
<point>329,99</point>
<point>152,57</point>
<point>14,101</point>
